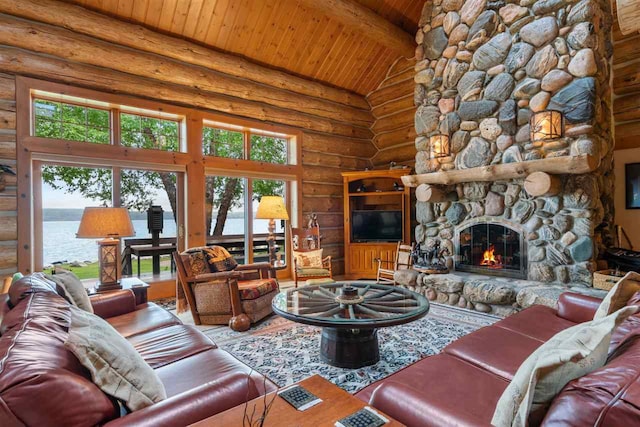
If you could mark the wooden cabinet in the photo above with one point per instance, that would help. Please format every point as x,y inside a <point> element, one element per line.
<point>376,218</point>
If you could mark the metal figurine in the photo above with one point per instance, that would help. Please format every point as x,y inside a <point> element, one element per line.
<point>431,260</point>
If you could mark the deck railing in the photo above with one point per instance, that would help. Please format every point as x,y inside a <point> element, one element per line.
<point>234,243</point>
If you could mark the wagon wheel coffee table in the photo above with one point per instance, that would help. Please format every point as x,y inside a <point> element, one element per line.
<point>350,315</point>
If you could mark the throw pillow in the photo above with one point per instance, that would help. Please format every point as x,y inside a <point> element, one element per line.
<point>569,354</point>
<point>198,263</point>
<point>115,366</point>
<point>219,259</point>
<point>73,288</point>
<point>618,296</point>
<point>309,259</point>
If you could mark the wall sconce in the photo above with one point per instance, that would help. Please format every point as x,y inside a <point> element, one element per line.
<point>439,146</point>
<point>545,125</point>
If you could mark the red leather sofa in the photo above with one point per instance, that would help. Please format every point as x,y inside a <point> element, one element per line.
<point>461,385</point>
<point>43,384</point>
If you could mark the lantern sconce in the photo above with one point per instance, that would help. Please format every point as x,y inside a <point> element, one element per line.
<point>439,146</point>
<point>545,125</point>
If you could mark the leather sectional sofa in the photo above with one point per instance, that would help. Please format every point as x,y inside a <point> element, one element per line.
<point>43,384</point>
<point>461,385</point>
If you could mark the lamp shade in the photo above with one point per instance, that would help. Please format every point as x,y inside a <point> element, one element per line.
<point>439,146</point>
<point>546,124</point>
<point>97,223</point>
<point>272,207</point>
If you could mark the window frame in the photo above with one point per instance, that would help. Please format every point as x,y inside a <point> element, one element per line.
<point>191,164</point>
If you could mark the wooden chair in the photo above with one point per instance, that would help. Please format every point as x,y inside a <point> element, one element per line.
<point>238,297</point>
<point>304,241</point>
<point>403,261</point>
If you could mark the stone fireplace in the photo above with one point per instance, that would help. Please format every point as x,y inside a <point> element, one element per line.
<point>484,68</point>
<point>486,246</point>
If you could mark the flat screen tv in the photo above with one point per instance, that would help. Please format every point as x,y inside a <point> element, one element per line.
<point>376,226</point>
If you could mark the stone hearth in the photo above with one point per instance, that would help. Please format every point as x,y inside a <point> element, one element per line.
<point>484,68</point>
<point>488,294</point>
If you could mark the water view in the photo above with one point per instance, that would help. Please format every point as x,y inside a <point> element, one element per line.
<point>60,242</point>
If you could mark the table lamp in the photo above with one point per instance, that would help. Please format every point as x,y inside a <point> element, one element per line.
<point>272,208</point>
<point>108,224</point>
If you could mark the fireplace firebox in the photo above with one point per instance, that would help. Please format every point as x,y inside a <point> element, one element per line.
<point>491,248</point>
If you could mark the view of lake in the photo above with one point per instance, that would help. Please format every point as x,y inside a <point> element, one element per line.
<point>60,242</point>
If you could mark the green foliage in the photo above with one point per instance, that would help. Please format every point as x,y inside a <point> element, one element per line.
<point>148,132</point>
<point>222,143</point>
<point>71,122</point>
<point>268,149</point>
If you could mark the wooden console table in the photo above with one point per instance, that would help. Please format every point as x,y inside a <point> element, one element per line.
<point>336,404</point>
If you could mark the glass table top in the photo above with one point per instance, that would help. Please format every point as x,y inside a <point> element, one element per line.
<point>350,305</point>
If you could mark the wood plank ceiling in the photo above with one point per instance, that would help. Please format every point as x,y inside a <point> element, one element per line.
<point>282,34</point>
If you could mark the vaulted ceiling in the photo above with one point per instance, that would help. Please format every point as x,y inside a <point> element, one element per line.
<point>290,35</point>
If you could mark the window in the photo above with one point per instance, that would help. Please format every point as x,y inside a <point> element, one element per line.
<point>149,132</point>
<point>224,140</point>
<point>222,143</point>
<point>77,177</point>
<point>71,122</point>
<point>269,149</point>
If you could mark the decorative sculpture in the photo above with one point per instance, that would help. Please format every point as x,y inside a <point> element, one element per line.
<point>431,260</point>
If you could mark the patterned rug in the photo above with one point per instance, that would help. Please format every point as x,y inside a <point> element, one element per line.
<point>287,352</point>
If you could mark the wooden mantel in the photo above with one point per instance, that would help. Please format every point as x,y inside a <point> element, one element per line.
<point>583,163</point>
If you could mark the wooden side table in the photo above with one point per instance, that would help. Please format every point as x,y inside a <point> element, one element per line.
<point>336,404</point>
<point>138,287</point>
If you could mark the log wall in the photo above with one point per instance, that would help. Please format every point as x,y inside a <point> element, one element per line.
<point>8,200</point>
<point>336,136</point>
<point>393,108</point>
<point>626,87</point>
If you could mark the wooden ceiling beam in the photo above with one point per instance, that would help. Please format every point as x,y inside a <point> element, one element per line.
<point>366,22</point>
<point>109,29</point>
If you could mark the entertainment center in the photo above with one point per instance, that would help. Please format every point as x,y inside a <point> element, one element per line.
<point>376,218</point>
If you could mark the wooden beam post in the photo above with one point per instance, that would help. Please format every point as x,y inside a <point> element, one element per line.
<point>542,184</point>
<point>106,28</point>
<point>368,23</point>
<point>434,194</point>
<point>583,163</point>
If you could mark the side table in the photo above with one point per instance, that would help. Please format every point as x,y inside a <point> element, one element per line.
<point>336,404</point>
<point>138,287</point>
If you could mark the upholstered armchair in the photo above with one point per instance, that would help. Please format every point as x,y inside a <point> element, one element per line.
<point>239,296</point>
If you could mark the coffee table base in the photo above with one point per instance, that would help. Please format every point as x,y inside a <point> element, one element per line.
<point>349,348</point>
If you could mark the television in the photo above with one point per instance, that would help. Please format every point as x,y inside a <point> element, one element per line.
<point>376,226</point>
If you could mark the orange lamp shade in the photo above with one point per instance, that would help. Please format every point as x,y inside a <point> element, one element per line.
<point>97,223</point>
<point>272,207</point>
<point>546,125</point>
<point>439,146</point>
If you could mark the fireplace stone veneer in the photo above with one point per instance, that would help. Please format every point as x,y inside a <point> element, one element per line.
<point>484,67</point>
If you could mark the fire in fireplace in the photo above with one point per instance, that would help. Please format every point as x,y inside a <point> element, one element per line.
<point>490,259</point>
<point>491,248</point>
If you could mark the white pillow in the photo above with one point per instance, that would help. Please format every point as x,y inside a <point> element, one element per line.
<point>618,296</point>
<point>309,259</point>
<point>75,291</point>
<point>568,355</point>
<point>115,366</point>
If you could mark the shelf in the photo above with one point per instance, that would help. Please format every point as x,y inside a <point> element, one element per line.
<point>377,193</point>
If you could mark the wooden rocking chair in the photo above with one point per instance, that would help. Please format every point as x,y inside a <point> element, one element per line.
<point>403,261</point>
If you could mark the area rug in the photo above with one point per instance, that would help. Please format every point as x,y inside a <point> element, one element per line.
<point>287,352</point>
